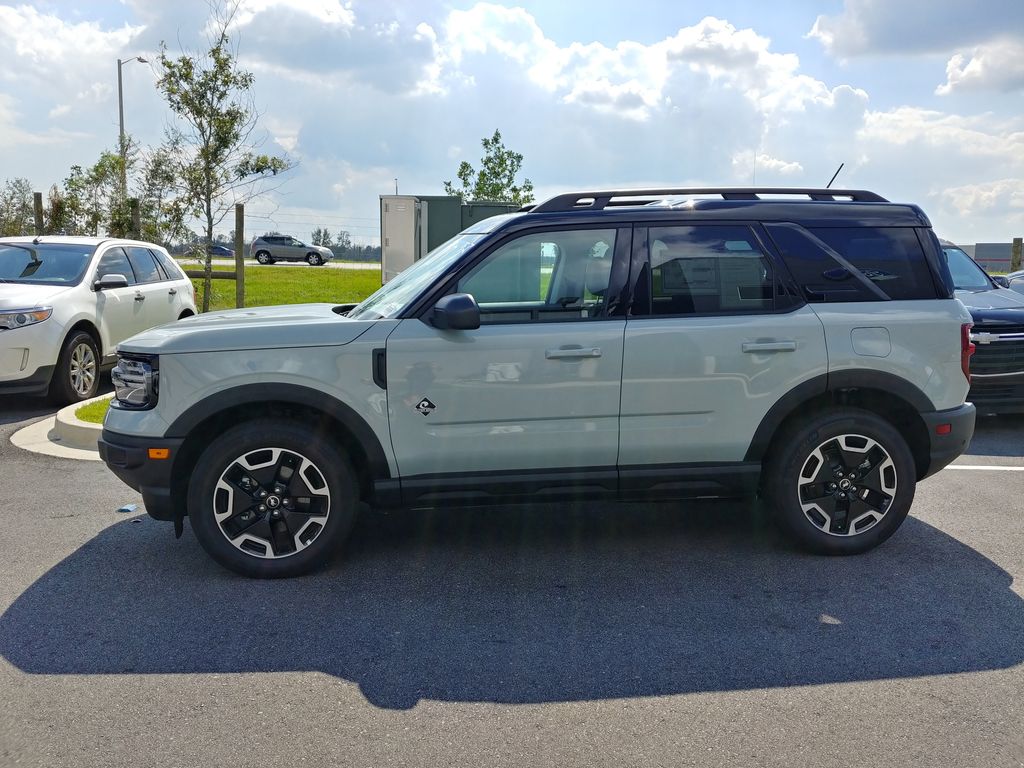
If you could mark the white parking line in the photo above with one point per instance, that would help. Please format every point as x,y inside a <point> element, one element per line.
<point>992,467</point>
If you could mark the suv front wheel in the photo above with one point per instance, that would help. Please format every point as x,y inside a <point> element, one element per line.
<point>267,501</point>
<point>841,482</point>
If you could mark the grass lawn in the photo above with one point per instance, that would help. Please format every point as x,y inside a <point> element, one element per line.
<point>93,412</point>
<point>293,285</point>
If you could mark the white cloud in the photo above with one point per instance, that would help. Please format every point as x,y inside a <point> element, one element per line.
<point>1003,196</point>
<point>995,66</point>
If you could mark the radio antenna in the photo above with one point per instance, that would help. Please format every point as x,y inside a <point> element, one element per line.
<point>829,185</point>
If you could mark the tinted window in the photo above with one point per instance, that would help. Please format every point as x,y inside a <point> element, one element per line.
<point>820,277</point>
<point>115,262</point>
<point>544,277</point>
<point>145,268</point>
<point>45,263</point>
<point>891,257</point>
<point>169,267</point>
<point>967,275</point>
<point>706,270</point>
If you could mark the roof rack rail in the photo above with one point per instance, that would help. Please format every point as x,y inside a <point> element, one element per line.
<point>595,201</point>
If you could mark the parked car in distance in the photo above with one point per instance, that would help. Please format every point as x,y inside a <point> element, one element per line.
<point>806,344</point>
<point>220,251</point>
<point>67,302</point>
<point>1012,280</point>
<point>997,367</point>
<point>267,249</point>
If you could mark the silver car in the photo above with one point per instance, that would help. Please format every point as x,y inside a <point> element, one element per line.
<point>267,249</point>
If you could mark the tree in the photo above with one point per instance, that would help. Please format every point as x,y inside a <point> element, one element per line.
<point>322,236</point>
<point>496,179</point>
<point>93,199</point>
<point>216,161</point>
<point>16,209</point>
<point>161,211</point>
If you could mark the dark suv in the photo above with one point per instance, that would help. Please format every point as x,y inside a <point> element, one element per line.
<point>634,344</point>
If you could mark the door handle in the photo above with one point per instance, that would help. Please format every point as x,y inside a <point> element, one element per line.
<point>575,351</point>
<point>769,346</point>
<point>172,292</point>
<point>139,297</point>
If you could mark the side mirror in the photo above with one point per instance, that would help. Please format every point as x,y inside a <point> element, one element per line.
<point>457,312</point>
<point>110,281</point>
<point>1001,281</point>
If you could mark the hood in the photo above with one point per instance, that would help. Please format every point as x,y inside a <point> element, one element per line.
<point>997,305</point>
<point>26,296</point>
<point>291,325</point>
<point>325,251</point>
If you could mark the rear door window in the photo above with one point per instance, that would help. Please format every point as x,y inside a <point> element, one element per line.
<point>145,267</point>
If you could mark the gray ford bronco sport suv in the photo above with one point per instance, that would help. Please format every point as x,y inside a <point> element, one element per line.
<point>801,344</point>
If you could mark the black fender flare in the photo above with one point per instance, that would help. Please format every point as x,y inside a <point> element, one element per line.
<point>851,378</point>
<point>290,394</point>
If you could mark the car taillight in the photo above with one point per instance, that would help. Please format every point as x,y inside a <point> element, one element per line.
<point>966,349</point>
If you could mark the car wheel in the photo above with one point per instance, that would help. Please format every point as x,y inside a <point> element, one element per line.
<point>314,259</point>
<point>264,258</point>
<point>77,375</point>
<point>841,482</point>
<point>268,502</point>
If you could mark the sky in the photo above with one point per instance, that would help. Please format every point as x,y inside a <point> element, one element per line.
<point>922,101</point>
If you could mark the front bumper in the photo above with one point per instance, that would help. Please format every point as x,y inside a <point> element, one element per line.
<point>946,447</point>
<point>127,457</point>
<point>36,383</point>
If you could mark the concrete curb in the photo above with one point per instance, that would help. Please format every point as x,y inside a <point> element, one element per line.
<point>64,435</point>
<point>75,433</point>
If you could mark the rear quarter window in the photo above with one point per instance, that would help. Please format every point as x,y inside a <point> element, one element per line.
<point>891,258</point>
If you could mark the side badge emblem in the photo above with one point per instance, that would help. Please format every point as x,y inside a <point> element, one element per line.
<point>424,406</point>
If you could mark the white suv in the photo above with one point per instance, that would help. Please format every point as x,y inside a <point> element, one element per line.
<point>66,302</point>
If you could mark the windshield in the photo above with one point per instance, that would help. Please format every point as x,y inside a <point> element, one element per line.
<point>967,275</point>
<point>397,294</point>
<point>44,263</point>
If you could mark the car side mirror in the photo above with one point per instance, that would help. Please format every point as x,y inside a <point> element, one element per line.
<point>457,312</point>
<point>110,281</point>
<point>1001,281</point>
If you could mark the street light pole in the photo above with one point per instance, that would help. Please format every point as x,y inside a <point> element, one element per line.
<point>122,148</point>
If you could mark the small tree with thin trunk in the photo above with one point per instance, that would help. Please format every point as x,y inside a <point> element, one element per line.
<point>216,160</point>
<point>496,179</point>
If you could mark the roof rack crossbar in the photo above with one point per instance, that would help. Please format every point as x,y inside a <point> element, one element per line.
<point>595,201</point>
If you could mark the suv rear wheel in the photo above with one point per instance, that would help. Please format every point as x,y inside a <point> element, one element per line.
<point>266,501</point>
<point>841,482</point>
<point>263,257</point>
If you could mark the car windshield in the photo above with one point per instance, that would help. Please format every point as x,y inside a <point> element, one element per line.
<point>394,296</point>
<point>967,275</point>
<point>44,263</point>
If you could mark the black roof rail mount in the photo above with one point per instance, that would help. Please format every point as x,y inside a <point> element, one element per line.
<point>596,201</point>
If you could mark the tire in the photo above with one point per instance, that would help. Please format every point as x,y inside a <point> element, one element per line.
<point>77,375</point>
<point>818,465</point>
<point>263,257</point>
<point>248,467</point>
<point>314,259</point>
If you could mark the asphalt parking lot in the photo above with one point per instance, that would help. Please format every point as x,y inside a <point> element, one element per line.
<point>622,635</point>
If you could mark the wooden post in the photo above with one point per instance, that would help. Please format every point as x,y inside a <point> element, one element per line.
<point>1015,254</point>
<point>133,204</point>
<point>239,255</point>
<point>37,203</point>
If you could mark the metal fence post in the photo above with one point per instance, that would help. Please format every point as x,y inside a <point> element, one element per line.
<point>1015,254</point>
<point>239,255</point>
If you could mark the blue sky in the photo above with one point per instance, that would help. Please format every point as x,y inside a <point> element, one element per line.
<point>921,100</point>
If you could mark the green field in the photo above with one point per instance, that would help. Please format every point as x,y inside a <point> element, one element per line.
<point>293,285</point>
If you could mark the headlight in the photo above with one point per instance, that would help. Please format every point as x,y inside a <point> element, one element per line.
<point>136,381</point>
<point>19,318</point>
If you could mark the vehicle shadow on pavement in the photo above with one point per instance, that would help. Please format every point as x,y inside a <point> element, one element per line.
<point>542,604</point>
<point>997,436</point>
